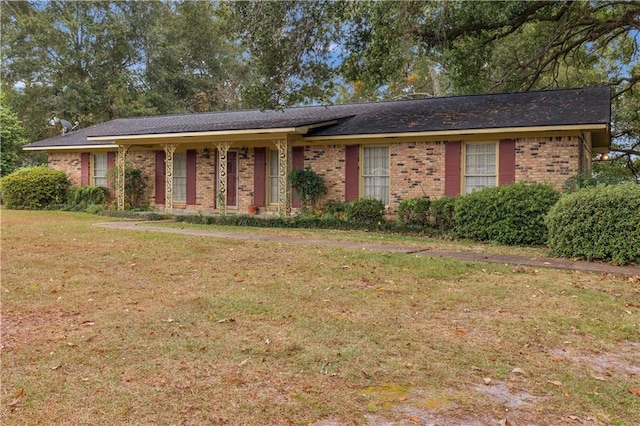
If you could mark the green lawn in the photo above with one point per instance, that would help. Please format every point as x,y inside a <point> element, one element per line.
<point>102,326</point>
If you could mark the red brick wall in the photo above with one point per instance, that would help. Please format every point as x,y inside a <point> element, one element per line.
<point>69,163</point>
<point>550,160</point>
<point>205,180</point>
<point>416,168</point>
<point>329,162</point>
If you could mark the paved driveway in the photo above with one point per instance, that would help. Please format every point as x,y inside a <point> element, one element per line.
<point>632,271</point>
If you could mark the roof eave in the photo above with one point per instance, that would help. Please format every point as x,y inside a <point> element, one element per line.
<point>465,132</point>
<point>217,134</point>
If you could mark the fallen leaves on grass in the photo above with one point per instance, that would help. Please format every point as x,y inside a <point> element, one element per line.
<point>234,380</point>
<point>414,419</point>
<point>634,391</point>
<point>18,397</point>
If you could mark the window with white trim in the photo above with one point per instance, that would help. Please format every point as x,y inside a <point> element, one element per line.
<point>375,173</point>
<point>180,177</point>
<point>99,175</point>
<point>273,182</point>
<point>480,170</point>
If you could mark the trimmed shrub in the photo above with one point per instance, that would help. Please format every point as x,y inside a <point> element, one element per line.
<point>335,210</point>
<point>138,215</point>
<point>34,188</point>
<point>600,223</point>
<point>414,212</point>
<point>366,211</point>
<point>511,215</point>
<point>89,195</point>
<point>441,212</point>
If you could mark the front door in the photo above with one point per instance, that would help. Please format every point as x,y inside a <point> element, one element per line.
<point>232,178</point>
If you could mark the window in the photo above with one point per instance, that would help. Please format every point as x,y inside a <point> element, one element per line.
<point>375,173</point>
<point>272,176</point>
<point>479,166</point>
<point>99,177</point>
<point>180,177</point>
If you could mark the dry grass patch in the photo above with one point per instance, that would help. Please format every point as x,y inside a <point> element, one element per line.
<point>105,327</point>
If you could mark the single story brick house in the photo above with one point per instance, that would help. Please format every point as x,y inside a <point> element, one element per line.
<point>225,161</point>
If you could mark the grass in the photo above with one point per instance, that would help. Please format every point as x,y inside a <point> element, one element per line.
<point>373,238</point>
<point>101,326</point>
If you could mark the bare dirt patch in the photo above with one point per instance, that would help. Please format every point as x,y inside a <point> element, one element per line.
<point>624,361</point>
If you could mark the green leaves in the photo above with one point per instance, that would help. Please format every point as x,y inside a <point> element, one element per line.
<point>11,135</point>
<point>34,188</point>
<point>601,223</point>
<point>511,215</point>
<point>309,187</point>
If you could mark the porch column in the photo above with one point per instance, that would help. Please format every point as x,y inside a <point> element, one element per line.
<point>120,177</point>
<point>221,195</point>
<point>284,166</point>
<point>169,150</point>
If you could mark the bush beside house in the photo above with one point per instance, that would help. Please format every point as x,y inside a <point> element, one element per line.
<point>414,212</point>
<point>34,188</point>
<point>511,215</point>
<point>600,223</point>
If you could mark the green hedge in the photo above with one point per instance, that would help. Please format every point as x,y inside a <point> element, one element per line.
<point>414,212</point>
<point>441,211</point>
<point>366,211</point>
<point>511,215</point>
<point>89,195</point>
<point>34,188</point>
<point>600,223</point>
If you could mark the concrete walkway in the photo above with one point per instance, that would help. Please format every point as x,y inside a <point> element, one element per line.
<point>536,262</point>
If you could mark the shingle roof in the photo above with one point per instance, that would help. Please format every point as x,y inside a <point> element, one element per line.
<point>506,110</point>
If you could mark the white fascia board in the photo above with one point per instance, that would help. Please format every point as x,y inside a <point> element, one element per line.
<point>69,147</point>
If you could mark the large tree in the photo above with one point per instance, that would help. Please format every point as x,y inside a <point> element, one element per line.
<point>192,61</point>
<point>69,59</point>
<point>288,51</point>
<point>511,46</point>
<point>11,137</point>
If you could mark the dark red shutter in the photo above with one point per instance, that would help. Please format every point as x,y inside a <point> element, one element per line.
<point>297,153</point>
<point>111,164</point>
<point>85,161</point>
<point>452,164</point>
<point>259,175</point>
<point>191,176</point>
<point>507,162</point>
<point>160,177</point>
<point>111,160</point>
<point>351,172</point>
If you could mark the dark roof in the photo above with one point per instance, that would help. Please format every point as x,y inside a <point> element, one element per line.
<point>505,110</point>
